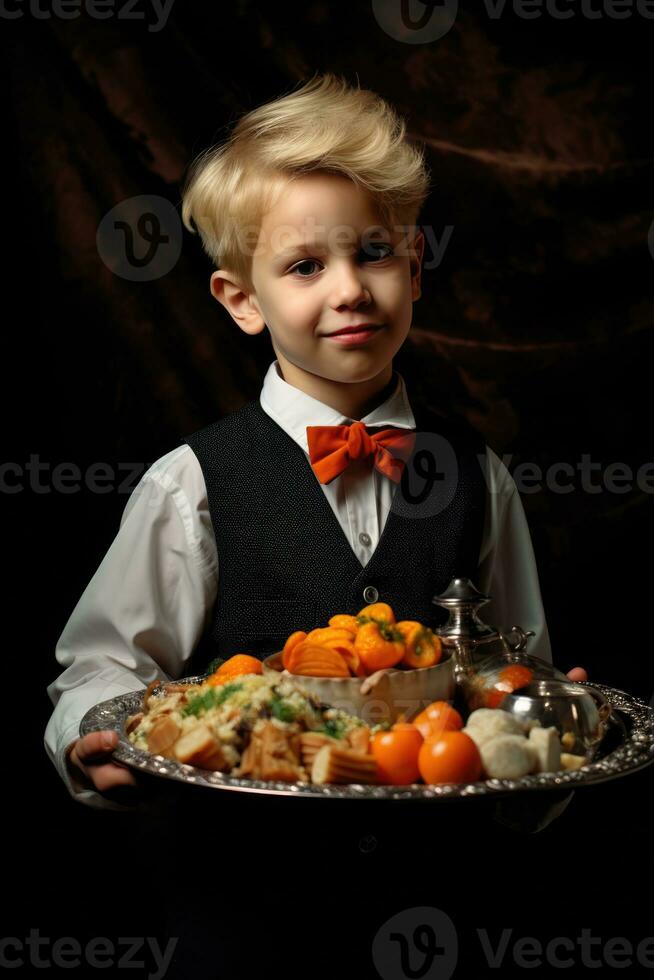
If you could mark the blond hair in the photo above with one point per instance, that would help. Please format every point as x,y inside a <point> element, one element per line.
<point>326,125</point>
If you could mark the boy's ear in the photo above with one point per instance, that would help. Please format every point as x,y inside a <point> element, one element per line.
<point>416,252</point>
<point>241,306</point>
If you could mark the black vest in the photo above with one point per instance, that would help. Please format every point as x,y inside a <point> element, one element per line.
<point>284,563</point>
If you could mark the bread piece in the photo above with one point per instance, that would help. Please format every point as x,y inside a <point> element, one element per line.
<point>162,736</point>
<point>336,765</point>
<point>280,754</point>
<point>201,748</point>
<point>547,747</point>
<point>569,761</point>
<point>312,742</point>
<point>359,739</point>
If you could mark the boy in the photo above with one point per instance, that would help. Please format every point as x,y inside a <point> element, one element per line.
<point>292,509</point>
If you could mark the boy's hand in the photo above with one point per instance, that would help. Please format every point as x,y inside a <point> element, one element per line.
<point>89,758</point>
<point>577,674</point>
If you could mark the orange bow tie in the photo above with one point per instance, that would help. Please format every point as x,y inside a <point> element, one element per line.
<point>333,447</point>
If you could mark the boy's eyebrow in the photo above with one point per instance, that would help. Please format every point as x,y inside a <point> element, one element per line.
<point>321,245</point>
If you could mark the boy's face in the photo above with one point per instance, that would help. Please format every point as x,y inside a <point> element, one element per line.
<point>323,262</point>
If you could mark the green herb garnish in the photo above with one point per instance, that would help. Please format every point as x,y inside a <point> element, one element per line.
<point>335,728</point>
<point>281,710</point>
<point>212,698</point>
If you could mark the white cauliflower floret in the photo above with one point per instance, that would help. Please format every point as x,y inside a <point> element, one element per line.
<point>486,723</point>
<point>507,757</point>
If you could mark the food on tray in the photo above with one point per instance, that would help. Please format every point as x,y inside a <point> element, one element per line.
<point>267,726</point>
<point>333,764</point>
<point>506,757</point>
<point>485,694</point>
<point>510,750</point>
<point>254,725</point>
<point>486,723</point>
<point>451,757</point>
<point>396,752</point>
<point>436,718</point>
<point>240,663</point>
<point>358,646</point>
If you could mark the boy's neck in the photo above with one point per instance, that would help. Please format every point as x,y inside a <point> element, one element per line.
<point>355,401</point>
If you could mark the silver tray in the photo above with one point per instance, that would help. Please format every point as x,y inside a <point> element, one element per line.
<point>627,746</point>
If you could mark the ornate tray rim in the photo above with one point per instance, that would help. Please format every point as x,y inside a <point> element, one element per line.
<point>636,752</point>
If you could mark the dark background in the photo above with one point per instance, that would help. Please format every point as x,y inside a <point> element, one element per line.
<point>536,327</point>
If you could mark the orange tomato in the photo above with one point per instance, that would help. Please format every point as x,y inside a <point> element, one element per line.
<point>396,753</point>
<point>422,647</point>
<point>511,678</point>
<point>378,646</point>
<point>379,612</point>
<point>240,663</point>
<point>451,757</point>
<point>438,717</point>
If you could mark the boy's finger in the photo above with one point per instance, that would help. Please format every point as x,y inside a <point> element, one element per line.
<point>95,745</point>
<point>110,775</point>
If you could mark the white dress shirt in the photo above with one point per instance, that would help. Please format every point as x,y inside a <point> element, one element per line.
<point>146,607</point>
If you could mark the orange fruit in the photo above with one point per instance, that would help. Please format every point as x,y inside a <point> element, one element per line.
<point>451,757</point>
<point>240,663</point>
<point>343,621</point>
<point>511,678</point>
<point>396,753</point>
<point>438,717</point>
<point>378,646</point>
<point>322,633</point>
<point>422,647</point>
<point>380,612</point>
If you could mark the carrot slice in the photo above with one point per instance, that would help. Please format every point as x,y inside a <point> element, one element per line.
<point>294,639</point>
<point>349,654</point>
<point>316,661</point>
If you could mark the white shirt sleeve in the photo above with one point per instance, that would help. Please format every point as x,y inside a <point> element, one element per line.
<point>145,609</point>
<point>507,566</point>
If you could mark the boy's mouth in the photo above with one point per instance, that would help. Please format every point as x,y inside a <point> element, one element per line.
<point>358,328</point>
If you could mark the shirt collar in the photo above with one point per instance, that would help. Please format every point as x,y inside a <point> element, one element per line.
<point>293,410</point>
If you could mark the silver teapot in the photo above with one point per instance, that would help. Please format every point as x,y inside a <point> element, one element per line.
<point>469,639</point>
<point>493,670</point>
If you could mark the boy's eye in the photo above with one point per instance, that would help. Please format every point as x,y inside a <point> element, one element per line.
<point>368,253</point>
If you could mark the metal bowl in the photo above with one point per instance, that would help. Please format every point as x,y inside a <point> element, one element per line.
<point>578,711</point>
<point>382,696</point>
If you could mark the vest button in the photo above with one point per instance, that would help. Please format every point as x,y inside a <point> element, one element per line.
<point>370,593</point>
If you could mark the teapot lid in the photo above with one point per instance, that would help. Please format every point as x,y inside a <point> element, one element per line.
<point>462,600</point>
<point>461,592</point>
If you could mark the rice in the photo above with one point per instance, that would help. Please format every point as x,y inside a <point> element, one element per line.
<point>242,706</point>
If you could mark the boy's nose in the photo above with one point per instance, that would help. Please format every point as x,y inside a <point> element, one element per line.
<point>349,288</point>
